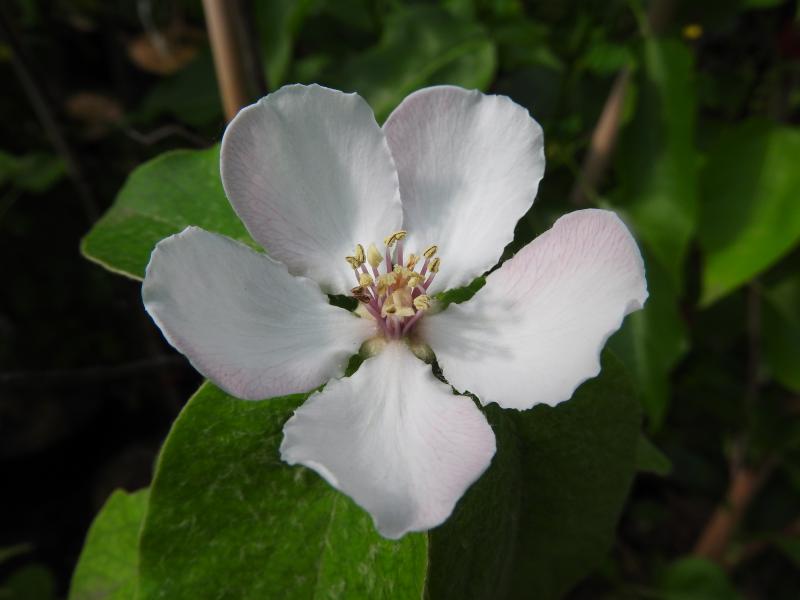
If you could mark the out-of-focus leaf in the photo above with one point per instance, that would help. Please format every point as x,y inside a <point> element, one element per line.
<point>420,46</point>
<point>652,340</point>
<point>749,216</point>
<point>278,22</point>
<point>545,511</point>
<point>606,58</point>
<point>657,161</point>
<point>650,459</point>
<point>160,198</point>
<point>9,552</point>
<point>781,331</point>
<point>32,582</point>
<point>696,579</point>
<point>108,566</point>
<point>191,95</point>
<point>35,173</point>
<point>228,519</point>
<point>524,43</point>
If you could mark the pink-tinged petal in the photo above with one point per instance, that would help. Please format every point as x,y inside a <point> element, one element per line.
<point>242,320</point>
<point>395,439</point>
<point>310,174</point>
<point>469,166</point>
<point>534,332</point>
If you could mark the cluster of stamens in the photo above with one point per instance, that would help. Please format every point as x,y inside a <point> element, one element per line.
<point>390,288</point>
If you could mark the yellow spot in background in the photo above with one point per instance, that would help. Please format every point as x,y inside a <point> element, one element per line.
<point>693,31</point>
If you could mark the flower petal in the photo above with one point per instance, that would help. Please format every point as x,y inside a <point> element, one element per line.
<point>242,320</point>
<point>534,332</point>
<point>395,439</point>
<point>469,166</point>
<point>309,172</point>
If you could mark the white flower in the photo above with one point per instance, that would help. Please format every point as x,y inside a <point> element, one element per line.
<point>319,185</point>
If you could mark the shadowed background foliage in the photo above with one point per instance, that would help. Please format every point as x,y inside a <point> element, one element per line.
<point>681,116</point>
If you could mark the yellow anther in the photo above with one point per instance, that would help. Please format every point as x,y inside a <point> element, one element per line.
<point>434,268</point>
<point>412,261</point>
<point>422,302</point>
<point>430,251</point>
<point>373,256</point>
<point>693,31</point>
<point>365,279</point>
<point>414,280</point>
<point>402,271</point>
<point>360,254</point>
<point>353,261</point>
<point>385,281</point>
<point>360,294</point>
<point>395,237</point>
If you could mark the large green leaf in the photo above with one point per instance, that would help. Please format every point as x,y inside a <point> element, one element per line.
<point>228,519</point>
<point>544,514</point>
<point>107,568</point>
<point>162,197</point>
<point>652,340</point>
<point>420,46</point>
<point>749,216</point>
<point>781,331</point>
<point>657,161</point>
<point>696,579</point>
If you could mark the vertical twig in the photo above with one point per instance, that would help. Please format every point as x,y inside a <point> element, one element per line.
<point>221,22</point>
<point>606,131</point>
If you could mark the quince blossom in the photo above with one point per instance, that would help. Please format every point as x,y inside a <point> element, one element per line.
<point>392,216</point>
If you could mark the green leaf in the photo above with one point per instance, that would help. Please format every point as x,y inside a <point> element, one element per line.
<point>191,95</point>
<point>227,518</point>
<point>546,510</point>
<point>696,579</point>
<point>107,567</point>
<point>657,161</point>
<point>749,216</point>
<point>278,22</point>
<point>420,46</point>
<point>781,331</point>
<point>160,198</point>
<point>31,582</point>
<point>652,340</point>
<point>36,172</point>
<point>650,459</point>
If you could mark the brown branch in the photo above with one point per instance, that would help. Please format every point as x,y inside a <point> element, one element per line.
<point>745,483</point>
<point>222,22</point>
<point>606,131</point>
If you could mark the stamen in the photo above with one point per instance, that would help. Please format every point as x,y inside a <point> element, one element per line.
<point>395,237</point>
<point>422,302</point>
<point>374,256</point>
<point>430,251</point>
<point>365,280</point>
<point>435,265</point>
<point>360,294</point>
<point>353,261</point>
<point>412,261</point>
<point>359,256</point>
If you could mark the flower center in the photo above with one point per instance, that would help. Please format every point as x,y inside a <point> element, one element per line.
<point>390,288</point>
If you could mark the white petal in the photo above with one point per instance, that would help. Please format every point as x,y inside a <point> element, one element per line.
<point>242,320</point>
<point>534,332</point>
<point>469,166</point>
<point>309,172</point>
<point>395,439</point>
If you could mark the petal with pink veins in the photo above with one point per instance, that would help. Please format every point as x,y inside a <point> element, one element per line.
<point>534,332</point>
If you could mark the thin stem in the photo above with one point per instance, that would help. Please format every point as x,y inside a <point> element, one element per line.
<point>221,22</point>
